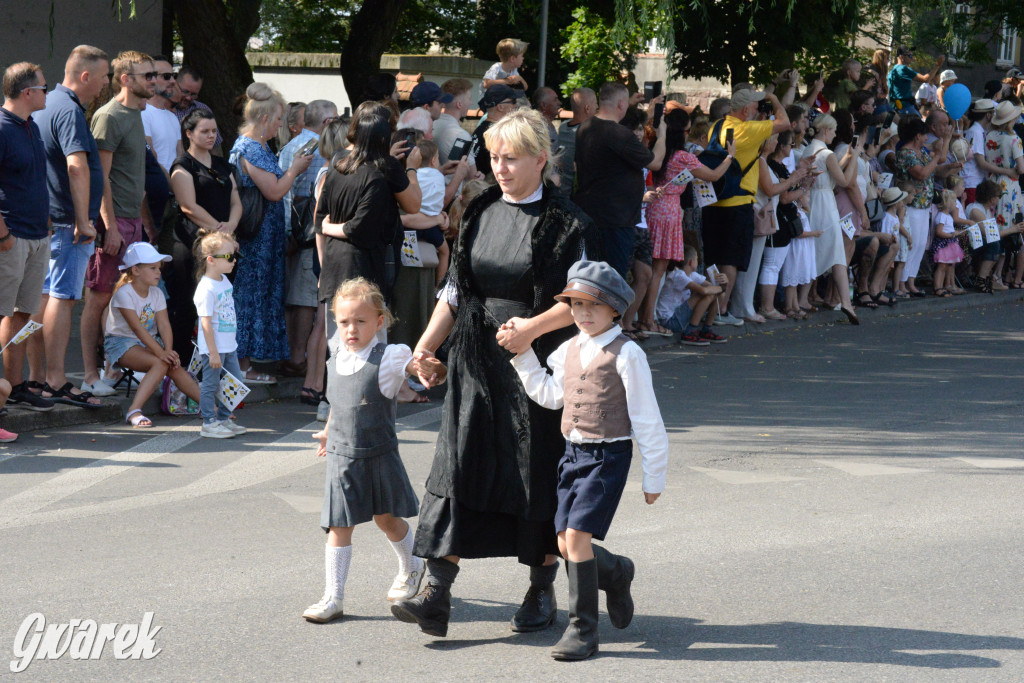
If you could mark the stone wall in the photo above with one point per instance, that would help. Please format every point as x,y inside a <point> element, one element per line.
<point>308,76</point>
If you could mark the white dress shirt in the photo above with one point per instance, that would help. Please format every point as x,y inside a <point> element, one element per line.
<point>641,404</point>
<point>391,373</point>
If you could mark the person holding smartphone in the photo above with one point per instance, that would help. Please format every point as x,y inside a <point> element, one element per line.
<point>727,226</point>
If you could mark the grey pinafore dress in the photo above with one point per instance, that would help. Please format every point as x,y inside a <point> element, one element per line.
<point>365,475</point>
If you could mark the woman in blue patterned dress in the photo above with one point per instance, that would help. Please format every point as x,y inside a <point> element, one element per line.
<point>259,278</point>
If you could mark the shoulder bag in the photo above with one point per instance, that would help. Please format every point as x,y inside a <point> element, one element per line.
<point>252,209</point>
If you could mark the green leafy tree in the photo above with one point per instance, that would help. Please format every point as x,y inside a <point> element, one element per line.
<point>588,43</point>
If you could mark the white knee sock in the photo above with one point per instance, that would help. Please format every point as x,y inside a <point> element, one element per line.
<point>407,562</point>
<point>336,562</point>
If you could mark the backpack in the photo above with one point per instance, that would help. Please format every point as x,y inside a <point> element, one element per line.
<point>712,157</point>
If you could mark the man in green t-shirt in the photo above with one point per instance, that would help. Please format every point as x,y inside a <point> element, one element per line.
<point>121,140</point>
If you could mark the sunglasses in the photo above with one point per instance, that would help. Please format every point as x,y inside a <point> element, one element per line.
<point>169,76</point>
<point>36,87</point>
<point>230,258</point>
<point>221,180</point>
<point>149,75</point>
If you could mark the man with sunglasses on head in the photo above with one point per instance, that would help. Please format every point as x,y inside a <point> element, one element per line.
<point>185,100</point>
<point>24,209</point>
<point>121,139</point>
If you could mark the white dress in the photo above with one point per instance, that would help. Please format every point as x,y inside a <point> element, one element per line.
<point>800,266</point>
<point>824,214</point>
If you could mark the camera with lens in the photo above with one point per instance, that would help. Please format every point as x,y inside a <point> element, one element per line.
<point>765,107</point>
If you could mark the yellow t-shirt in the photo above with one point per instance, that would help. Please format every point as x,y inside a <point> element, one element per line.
<point>749,136</point>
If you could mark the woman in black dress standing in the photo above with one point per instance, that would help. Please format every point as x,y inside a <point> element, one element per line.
<point>491,488</point>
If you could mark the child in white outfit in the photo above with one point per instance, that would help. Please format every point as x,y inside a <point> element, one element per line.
<point>432,188</point>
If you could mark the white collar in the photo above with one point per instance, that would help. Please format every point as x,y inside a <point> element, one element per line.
<point>535,197</point>
<point>603,339</point>
<point>362,353</point>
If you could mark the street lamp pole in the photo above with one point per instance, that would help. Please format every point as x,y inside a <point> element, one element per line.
<point>542,67</point>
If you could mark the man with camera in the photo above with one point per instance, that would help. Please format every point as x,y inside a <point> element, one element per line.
<point>728,225</point>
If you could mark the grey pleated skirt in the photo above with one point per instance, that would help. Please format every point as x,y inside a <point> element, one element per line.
<point>356,489</point>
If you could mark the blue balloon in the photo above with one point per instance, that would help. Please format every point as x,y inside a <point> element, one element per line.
<point>957,99</point>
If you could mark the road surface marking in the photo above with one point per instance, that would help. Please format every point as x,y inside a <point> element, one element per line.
<point>738,477</point>
<point>868,469</point>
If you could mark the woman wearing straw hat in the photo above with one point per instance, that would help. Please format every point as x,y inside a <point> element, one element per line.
<point>1003,148</point>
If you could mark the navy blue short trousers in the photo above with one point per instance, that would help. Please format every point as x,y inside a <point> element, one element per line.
<point>591,478</point>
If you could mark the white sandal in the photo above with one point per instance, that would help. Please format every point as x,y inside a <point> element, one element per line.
<point>140,421</point>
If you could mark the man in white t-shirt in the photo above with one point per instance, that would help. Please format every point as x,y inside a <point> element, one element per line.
<point>447,128</point>
<point>163,130</point>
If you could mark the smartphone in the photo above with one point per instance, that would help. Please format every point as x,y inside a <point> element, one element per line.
<point>728,136</point>
<point>308,148</point>
<point>651,90</point>
<point>1018,218</point>
<point>888,119</point>
<point>874,134</point>
<point>459,149</point>
<point>659,109</point>
<point>856,139</point>
<point>765,107</point>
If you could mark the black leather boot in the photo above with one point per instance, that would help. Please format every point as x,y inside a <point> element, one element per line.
<point>580,638</point>
<point>539,608</point>
<point>432,606</point>
<point>614,576</point>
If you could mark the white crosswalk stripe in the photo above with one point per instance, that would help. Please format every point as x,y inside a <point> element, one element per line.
<point>868,469</point>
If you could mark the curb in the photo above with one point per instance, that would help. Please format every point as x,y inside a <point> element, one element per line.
<point>904,307</point>
<point>287,388</point>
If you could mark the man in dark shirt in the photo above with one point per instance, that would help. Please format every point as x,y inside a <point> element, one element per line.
<point>74,177</point>
<point>24,235</point>
<point>610,164</point>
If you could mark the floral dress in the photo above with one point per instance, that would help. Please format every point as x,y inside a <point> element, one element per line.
<point>259,276</point>
<point>665,214</point>
<point>921,197</point>
<point>1003,148</point>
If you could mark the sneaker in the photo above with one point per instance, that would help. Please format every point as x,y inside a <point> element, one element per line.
<point>710,337</point>
<point>323,411</point>
<point>216,430</point>
<point>328,609</point>
<point>23,398</point>
<point>728,319</point>
<point>6,436</point>
<point>693,339</point>
<point>235,428</point>
<point>406,585</point>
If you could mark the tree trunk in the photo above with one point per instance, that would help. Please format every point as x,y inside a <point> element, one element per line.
<point>211,37</point>
<point>372,29</point>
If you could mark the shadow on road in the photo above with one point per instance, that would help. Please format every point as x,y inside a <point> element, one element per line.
<point>681,638</point>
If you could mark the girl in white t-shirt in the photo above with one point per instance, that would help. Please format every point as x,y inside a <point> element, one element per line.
<point>139,331</point>
<point>217,346</point>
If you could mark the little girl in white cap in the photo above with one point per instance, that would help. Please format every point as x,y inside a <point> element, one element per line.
<point>139,331</point>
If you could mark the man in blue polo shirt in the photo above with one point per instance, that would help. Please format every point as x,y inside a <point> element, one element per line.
<point>74,178</point>
<point>24,234</point>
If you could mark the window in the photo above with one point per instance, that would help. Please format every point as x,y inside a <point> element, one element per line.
<point>1008,45</point>
<point>959,46</point>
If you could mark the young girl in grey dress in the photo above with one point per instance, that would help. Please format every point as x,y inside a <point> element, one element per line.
<point>365,476</point>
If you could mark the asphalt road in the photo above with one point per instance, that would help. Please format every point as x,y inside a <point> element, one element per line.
<point>844,503</point>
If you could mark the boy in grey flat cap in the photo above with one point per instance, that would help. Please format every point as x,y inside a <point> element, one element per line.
<point>610,399</point>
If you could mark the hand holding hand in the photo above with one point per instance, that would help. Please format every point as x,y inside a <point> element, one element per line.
<point>426,377</point>
<point>515,336</point>
<point>431,367</point>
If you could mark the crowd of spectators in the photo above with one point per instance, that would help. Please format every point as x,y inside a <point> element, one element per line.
<point>844,193</point>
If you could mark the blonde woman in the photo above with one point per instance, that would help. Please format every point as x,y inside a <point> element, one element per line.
<point>259,279</point>
<point>824,214</point>
<point>491,488</point>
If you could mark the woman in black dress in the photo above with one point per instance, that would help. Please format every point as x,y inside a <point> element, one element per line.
<point>491,489</point>
<point>204,189</point>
